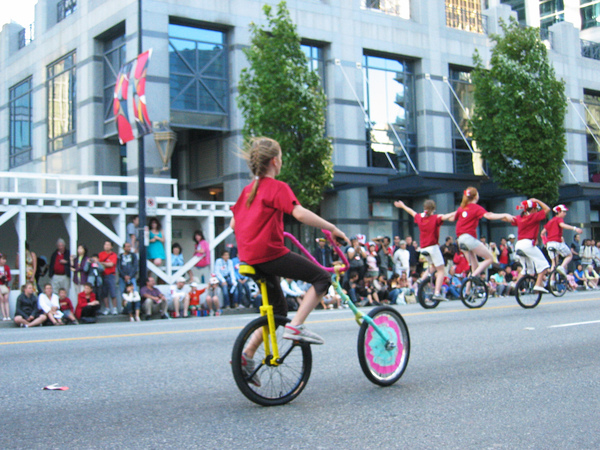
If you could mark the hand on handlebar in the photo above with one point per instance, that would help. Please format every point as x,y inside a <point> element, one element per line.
<point>339,234</point>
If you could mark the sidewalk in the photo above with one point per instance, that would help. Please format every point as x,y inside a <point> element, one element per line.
<point>125,318</point>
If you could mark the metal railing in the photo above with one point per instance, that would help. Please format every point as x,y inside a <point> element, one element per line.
<point>57,186</point>
<point>65,8</point>
<point>399,8</point>
<point>590,49</point>
<point>466,20</point>
<point>26,36</point>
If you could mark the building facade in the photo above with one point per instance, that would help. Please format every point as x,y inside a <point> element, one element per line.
<point>396,74</point>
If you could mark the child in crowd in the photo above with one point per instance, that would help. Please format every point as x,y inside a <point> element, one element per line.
<point>176,257</point>
<point>66,307</point>
<point>132,302</point>
<point>195,294</point>
<point>572,282</point>
<point>213,296</point>
<point>94,271</point>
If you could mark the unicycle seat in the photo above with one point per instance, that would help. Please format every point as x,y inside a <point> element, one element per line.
<point>250,271</point>
<point>424,253</point>
<point>464,248</point>
<point>521,253</point>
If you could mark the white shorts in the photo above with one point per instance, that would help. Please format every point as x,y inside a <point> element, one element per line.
<point>535,257</point>
<point>435,255</point>
<point>468,241</point>
<point>560,247</point>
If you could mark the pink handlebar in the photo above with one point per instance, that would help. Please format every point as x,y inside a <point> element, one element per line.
<point>336,247</point>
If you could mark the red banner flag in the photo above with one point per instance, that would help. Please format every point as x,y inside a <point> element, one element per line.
<point>130,99</point>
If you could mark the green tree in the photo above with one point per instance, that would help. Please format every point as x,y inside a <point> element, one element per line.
<point>281,98</point>
<point>518,120</point>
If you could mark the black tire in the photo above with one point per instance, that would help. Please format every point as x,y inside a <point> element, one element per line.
<point>558,283</point>
<point>281,383</point>
<point>425,293</point>
<point>524,293</point>
<point>381,365</point>
<point>477,292</point>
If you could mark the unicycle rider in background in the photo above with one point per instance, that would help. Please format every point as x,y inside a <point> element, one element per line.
<point>258,225</point>
<point>429,234</point>
<point>553,231</point>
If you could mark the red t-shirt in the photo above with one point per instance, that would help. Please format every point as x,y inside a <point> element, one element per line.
<point>65,304</point>
<point>554,230</point>
<point>461,265</point>
<point>108,257</point>
<point>82,302</point>
<point>259,229</point>
<point>529,226</point>
<point>467,219</point>
<point>59,268</point>
<point>429,226</point>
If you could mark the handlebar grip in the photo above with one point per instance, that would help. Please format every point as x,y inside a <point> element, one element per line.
<point>337,249</point>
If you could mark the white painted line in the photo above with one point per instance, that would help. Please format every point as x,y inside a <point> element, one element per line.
<point>573,324</point>
<point>529,329</point>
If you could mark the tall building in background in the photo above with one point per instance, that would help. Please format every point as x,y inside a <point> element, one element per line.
<point>397,75</point>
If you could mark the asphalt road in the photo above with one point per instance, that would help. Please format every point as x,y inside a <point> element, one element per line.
<point>499,377</point>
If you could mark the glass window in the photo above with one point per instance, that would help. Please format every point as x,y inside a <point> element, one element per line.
<point>61,103</point>
<point>590,14</point>
<point>519,7</point>
<point>592,103</point>
<point>400,8</point>
<point>461,83</point>
<point>316,60</point>
<point>551,12</point>
<point>466,15</point>
<point>198,69</point>
<point>113,58</point>
<point>390,103</point>
<point>20,123</point>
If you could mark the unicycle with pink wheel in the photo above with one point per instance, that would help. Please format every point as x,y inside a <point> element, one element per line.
<point>383,339</point>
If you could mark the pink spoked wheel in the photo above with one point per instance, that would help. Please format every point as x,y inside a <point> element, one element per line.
<point>383,360</point>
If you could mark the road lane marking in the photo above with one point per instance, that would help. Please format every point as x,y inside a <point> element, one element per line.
<point>347,319</point>
<point>575,324</point>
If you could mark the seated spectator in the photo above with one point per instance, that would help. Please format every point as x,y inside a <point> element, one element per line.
<point>580,277</point>
<point>350,287</point>
<point>381,286</point>
<point>491,284</point>
<point>195,303</point>
<point>500,281</point>
<point>153,300</point>
<point>242,288</point>
<point>180,296</point>
<point>27,313</point>
<point>66,307</point>
<point>293,294</point>
<point>127,266</point>
<point>404,284</point>
<point>395,295</point>
<point>48,302</point>
<point>4,288</point>
<point>591,277</point>
<point>255,295</point>
<point>572,282</point>
<point>372,261</point>
<point>454,284</point>
<point>225,273</point>
<point>331,299</point>
<point>132,302</point>
<point>87,304</point>
<point>214,294</point>
<point>367,291</point>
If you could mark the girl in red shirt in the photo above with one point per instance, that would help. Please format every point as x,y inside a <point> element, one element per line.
<point>528,225</point>
<point>553,234</point>
<point>429,230</point>
<point>467,219</point>
<point>258,224</point>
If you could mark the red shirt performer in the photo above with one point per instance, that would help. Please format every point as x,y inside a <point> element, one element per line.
<point>258,225</point>
<point>553,234</point>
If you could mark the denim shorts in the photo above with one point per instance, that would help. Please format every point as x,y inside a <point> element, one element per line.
<point>109,286</point>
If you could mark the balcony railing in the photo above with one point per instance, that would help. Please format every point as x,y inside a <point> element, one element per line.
<point>590,49</point>
<point>466,20</point>
<point>400,8</point>
<point>26,36</point>
<point>65,8</point>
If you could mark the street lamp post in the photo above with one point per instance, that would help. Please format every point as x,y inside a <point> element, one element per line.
<point>141,178</point>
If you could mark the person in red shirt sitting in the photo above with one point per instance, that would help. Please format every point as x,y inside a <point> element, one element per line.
<point>528,225</point>
<point>66,307</point>
<point>258,225</point>
<point>553,234</point>
<point>467,219</point>
<point>87,305</point>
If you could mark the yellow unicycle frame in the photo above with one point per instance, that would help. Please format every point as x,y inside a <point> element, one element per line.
<point>268,335</point>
